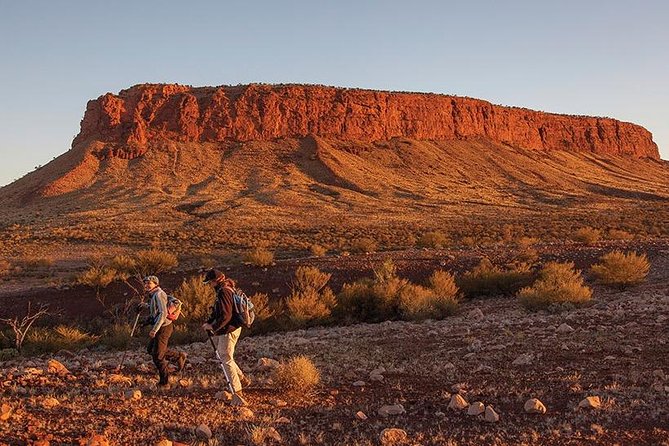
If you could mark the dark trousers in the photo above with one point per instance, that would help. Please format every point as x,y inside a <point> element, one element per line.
<point>160,353</point>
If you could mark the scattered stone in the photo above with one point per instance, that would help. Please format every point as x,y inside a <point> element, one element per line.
<point>41,442</point>
<point>533,405</point>
<point>50,403</point>
<point>378,371</point>
<point>564,328</point>
<point>185,383</point>
<point>439,414</point>
<point>278,403</point>
<point>377,378</point>
<point>359,383</point>
<point>476,408</point>
<point>283,420</point>
<point>475,314</point>
<point>267,364</point>
<point>133,394</point>
<point>203,432</point>
<point>5,412</point>
<point>360,415</point>
<point>524,359</point>
<point>164,442</point>
<point>56,368</point>
<point>458,402</point>
<point>392,436</point>
<point>394,409</point>
<point>490,415</point>
<point>223,395</point>
<point>591,402</point>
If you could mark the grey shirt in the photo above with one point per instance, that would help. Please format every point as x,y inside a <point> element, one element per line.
<point>158,309</point>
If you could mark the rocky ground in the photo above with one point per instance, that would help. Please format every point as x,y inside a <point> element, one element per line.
<point>600,372</point>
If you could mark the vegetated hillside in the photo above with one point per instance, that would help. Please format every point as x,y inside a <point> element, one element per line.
<point>276,159</point>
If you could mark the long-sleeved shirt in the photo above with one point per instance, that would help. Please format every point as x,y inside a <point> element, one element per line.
<point>222,318</point>
<point>158,309</point>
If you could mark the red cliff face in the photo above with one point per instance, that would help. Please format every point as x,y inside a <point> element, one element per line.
<point>129,121</point>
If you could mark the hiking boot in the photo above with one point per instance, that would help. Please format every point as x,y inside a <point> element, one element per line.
<point>181,361</point>
<point>245,381</point>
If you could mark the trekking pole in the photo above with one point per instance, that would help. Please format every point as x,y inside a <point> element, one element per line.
<point>236,399</point>
<point>132,333</point>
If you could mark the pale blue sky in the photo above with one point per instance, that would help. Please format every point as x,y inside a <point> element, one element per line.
<point>601,58</point>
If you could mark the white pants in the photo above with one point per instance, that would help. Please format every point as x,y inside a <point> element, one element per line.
<point>225,344</point>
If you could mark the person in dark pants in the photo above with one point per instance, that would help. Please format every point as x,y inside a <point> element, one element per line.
<point>160,333</point>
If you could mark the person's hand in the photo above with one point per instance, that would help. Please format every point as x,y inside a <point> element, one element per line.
<point>152,334</point>
<point>207,327</point>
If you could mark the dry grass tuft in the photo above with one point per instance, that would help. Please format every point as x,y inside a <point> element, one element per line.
<point>587,235</point>
<point>196,296</point>
<point>433,239</point>
<point>260,256</point>
<point>620,269</point>
<point>155,261</point>
<point>298,374</point>
<point>487,280</point>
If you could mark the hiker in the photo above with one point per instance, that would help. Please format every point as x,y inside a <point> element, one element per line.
<point>225,326</point>
<point>161,330</point>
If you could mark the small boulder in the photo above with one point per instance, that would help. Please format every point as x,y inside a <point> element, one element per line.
<point>458,402</point>
<point>5,412</point>
<point>50,403</point>
<point>393,436</point>
<point>377,378</point>
<point>476,408</point>
<point>164,442</point>
<point>267,364</point>
<point>359,383</point>
<point>97,440</point>
<point>524,359</point>
<point>278,403</point>
<point>393,409</point>
<point>533,405</point>
<point>56,368</point>
<point>360,415</point>
<point>133,394</point>
<point>245,414</point>
<point>591,402</point>
<point>490,415</point>
<point>203,432</point>
<point>564,328</point>
<point>475,314</point>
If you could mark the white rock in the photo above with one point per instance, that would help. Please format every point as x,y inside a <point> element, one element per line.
<point>476,408</point>
<point>564,328</point>
<point>457,402</point>
<point>394,409</point>
<point>490,415</point>
<point>533,405</point>
<point>591,402</point>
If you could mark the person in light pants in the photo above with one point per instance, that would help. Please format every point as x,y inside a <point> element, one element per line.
<point>226,327</point>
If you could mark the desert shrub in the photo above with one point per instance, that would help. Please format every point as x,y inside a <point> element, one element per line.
<point>356,301</point>
<point>587,235</point>
<point>557,283</point>
<point>117,336</point>
<point>260,256</point>
<point>318,250</point>
<point>50,340</point>
<point>363,245</point>
<point>310,278</point>
<point>5,267</point>
<point>8,353</point>
<point>619,234</point>
<point>38,262</point>
<point>155,261</point>
<point>433,239</point>
<point>196,296</point>
<point>124,266</point>
<point>443,284</point>
<point>468,241</point>
<point>306,307</point>
<point>298,374</point>
<point>487,279</point>
<point>526,242</point>
<point>620,269</point>
<point>261,307</point>
<point>415,302</point>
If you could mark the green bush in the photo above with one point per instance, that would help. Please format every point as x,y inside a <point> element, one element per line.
<point>197,298</point>
<point>487,279</point>
<point>620,269</point>
<point>557,283</point>
<point>433,239</point>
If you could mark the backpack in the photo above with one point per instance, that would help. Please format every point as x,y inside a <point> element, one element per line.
<point>243,308</point>
<point>173,307</point>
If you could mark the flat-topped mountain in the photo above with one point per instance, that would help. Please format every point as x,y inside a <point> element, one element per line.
<point>258,159</point>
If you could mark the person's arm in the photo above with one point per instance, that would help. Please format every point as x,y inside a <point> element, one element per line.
<point>161,304</point>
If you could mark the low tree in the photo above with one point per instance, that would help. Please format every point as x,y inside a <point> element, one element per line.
<point>23,325</point>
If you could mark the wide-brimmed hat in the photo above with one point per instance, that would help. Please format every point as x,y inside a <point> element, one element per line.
<point>213,274</point>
